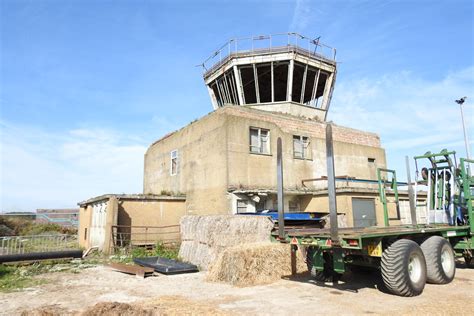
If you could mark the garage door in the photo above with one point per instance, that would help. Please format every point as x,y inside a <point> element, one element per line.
<point>363,211</point>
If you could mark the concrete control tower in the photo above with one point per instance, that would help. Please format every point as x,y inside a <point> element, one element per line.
<point>287,73</point>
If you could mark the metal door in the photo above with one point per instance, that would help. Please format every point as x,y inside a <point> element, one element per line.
<point>363,212</point>
<point>97,231</point>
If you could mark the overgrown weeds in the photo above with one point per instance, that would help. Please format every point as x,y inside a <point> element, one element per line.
<point>159,250</point>
<point>17,277</point>
<point>23,227</point>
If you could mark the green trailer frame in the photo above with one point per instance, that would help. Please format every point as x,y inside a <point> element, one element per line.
<point>334,250</point>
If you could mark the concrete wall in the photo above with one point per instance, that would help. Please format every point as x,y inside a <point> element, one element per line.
<point>85,218</point>
<point>150,213</point>
<point>247,170</point>
<point>215,159</point>
<point>201,168</point>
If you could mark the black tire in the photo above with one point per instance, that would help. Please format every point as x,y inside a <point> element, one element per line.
<point>440,260</point>
<point>404,268</point>
<point>320,276</point>
<point>469,262</point>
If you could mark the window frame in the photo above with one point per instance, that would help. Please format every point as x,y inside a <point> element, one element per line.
<point>175,151</point>
<point>305,149</point>
<point>261,148</point>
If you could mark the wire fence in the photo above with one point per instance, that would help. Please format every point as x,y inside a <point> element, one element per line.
<point>10,245</point>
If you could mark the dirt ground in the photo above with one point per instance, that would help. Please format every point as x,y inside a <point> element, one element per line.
<point>102,291</point>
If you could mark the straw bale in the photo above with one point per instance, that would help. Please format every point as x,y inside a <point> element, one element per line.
<point>254,264</point>
<point>204,237</point>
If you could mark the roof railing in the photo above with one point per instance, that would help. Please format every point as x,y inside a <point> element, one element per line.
<point>274,43</point>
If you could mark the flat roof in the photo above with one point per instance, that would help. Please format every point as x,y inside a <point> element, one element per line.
<point>143,197</point>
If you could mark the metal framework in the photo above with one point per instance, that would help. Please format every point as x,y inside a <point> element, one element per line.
<point>330,251</point>
<point>263,70</point>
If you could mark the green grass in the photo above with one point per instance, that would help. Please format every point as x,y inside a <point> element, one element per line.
<point>159,250</point>
<point>13,278</point>
<point>16,277</point>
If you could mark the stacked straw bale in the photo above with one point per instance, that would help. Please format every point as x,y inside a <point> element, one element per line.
<point>254,264</point>
<point>203,238</point>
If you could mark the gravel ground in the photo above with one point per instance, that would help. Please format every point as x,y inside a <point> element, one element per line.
<point>70,293</point>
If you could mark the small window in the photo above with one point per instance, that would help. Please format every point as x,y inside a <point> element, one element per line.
<point>259,141</point>
<point>241,206</point>
<point>85,233</point>
<point>293,206</point>
<point>174,162</point>
<point>301,148</point>
<point>371,160</point>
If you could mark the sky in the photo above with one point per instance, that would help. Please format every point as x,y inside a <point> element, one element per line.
<point>86,86</point>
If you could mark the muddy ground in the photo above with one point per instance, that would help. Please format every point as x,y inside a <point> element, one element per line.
<point>102,291</point>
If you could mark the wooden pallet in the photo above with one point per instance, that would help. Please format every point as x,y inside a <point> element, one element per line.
<point>132,269</point>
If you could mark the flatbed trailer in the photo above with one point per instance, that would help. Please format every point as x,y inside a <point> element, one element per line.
<point>408,256</point>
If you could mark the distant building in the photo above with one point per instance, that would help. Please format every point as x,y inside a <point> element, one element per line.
<point>63,217</point>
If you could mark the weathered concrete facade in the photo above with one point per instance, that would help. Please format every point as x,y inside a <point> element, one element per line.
<point>216,168</point>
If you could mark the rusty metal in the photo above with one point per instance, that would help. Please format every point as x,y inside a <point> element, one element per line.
<point>331,185</point>
<point>128,237</point>
<point>281,205</point>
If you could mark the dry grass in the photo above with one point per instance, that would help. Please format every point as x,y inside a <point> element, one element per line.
<point>203,238</point>
<point>164,305</point>
<point>254,264</point>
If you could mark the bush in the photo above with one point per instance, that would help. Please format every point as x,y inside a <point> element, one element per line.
<point>22,227</point>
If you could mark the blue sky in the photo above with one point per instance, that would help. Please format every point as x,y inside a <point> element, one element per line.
<point>86,86</point>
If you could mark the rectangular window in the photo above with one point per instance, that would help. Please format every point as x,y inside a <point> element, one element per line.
<point>174,162</point>
<point>217,94</point>
<point>259,140</point>
<point>264,75</point>
<point>301,148</point>
<point>241,206</point>
<point>85,233</point>
<point>321,86</point>
<point>280,80</point>
<point>298,76</point>
<point>248,84</point>
<point>293,206</point>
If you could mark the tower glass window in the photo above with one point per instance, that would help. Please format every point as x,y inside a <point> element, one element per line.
<point>248,84</point>
<point>298,77</point>
<point>280,79</point>
<point>264,75</point>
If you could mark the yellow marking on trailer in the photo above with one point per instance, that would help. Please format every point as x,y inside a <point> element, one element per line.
<point>375,250</point>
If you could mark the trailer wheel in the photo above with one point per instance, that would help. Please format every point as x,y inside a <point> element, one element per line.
<point>320,276</point>
<point>440,262</point>
<point>404,268</point>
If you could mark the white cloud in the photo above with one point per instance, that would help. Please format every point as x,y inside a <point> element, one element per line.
<point>46,170</point>
<point>301,16</point>
<point>411,114</point>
